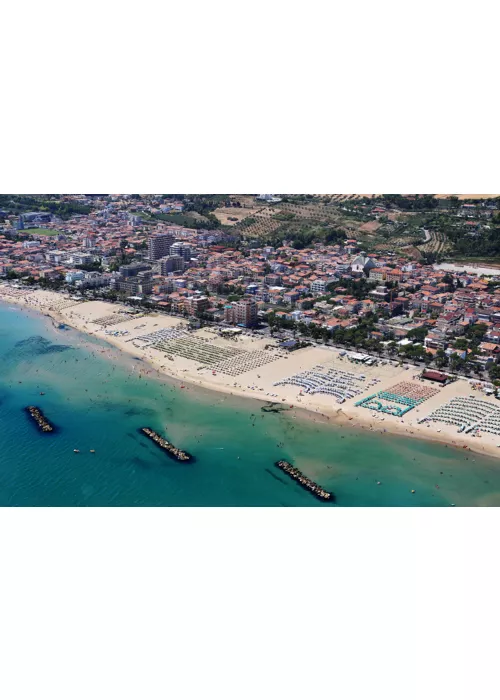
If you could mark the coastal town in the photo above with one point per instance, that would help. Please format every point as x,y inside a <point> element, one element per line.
<point>352,306</point>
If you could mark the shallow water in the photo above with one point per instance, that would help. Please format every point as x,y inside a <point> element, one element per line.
<point>98,399</point>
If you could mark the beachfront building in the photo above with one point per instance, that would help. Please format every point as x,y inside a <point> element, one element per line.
<point>159,245</point>
<point>93,280</point>
<point>74,276</point>
<point>196,304</point>
<point>241,313</point>
<point>142,283</point>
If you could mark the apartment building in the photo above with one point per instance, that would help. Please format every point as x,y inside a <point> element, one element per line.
<point>159,245</point>
<point>140,284</point>
<point>181,249</point>
<point>171,263</point>
<point>196,304</point>
<point>241,313</point>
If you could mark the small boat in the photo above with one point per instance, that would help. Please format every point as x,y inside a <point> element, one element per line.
<point>92,451</point>
<point>42,393</point>
<point>76,450</point>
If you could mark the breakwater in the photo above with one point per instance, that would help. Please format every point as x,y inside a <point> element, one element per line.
<point>105,406</point>
<point>175,452</point>
<point>304,481</point>
<point>40,419</point>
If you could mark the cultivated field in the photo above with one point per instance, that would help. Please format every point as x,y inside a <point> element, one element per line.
<point>225,214</point>
<point>437,243</point>
<point>468,196</point>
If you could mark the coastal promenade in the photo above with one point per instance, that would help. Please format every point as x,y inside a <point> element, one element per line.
<point>202,358</point>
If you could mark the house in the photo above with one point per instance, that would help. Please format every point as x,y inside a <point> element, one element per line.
<point>490,349</point>
<point>394,275</point>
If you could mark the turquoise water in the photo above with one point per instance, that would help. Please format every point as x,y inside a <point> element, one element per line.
<point>98,399</point>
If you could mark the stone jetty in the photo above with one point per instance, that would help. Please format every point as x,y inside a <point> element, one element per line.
<point>173,451</point>
<point>40,419</point>
<point>304,481</point>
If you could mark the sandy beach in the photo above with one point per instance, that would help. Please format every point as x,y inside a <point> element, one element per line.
<point>259,364</point>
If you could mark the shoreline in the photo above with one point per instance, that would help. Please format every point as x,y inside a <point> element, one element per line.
<point>309,407</point>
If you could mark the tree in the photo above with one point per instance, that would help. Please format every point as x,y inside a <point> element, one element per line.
<point>417,334</point>
<point>476,332</point>
<point>315,331</point>
<point>304,329</point>
<point>456,363</point>
<point>494,372</point>
<point>441,358</point>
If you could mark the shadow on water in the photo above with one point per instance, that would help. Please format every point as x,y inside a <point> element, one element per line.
<point>142,463</point>
<point>275,476</point>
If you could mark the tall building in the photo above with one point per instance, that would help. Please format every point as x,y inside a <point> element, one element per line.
<point>181,248</point>
<point>171,263</point>
<point>159,245</point>
<point>241,313</point>
<point>88,242</point>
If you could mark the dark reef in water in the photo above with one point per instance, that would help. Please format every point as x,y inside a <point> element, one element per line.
<point>274,408</point>
<point>139,412</point>
<point>36,345</point>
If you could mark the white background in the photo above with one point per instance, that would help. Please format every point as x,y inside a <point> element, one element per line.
<point>249,603</point>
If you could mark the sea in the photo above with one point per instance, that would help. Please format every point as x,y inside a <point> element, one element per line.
<point>98,398</point>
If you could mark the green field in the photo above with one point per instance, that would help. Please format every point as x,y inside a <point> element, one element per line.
<point>41,231</point>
